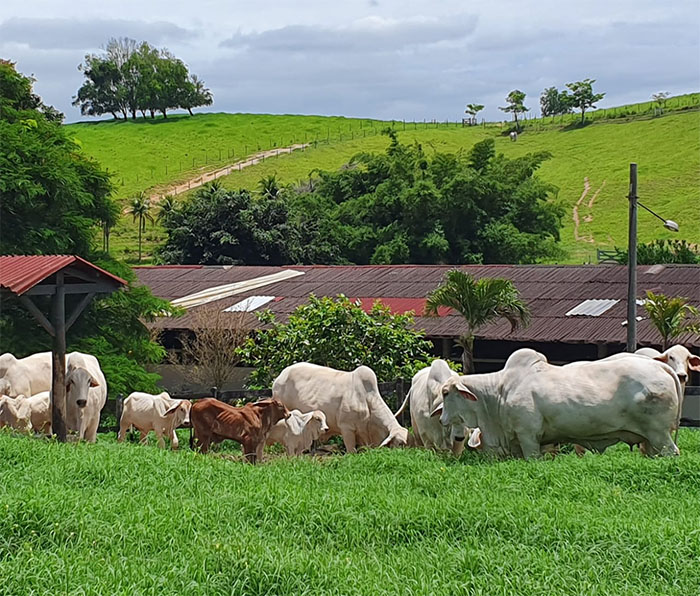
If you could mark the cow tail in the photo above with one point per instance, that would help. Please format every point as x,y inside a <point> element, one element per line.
<point>405,402</point>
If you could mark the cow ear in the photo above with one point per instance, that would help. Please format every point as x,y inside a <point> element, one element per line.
<point>464,391</point>
<point>172,410</point>
<point>474,438</point>
<point>94,382</point>
<point>662,358</point>
<point>436,412</point>
<point>694,363</point>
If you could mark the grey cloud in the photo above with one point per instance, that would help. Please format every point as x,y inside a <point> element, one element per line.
<point>67,34</point>
<point>369,35</point>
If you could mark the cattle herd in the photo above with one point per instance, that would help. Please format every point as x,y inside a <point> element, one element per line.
<point>527,408</point>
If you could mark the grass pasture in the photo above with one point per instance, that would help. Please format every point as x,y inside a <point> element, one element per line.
<point>125,519</point>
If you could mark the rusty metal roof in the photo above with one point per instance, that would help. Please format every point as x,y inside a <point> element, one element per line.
<point>550,291</point>
<point>20,273</point>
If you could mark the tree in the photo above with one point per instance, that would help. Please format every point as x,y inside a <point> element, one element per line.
<point>472,110</point>
<point>581,96</point>
<point>338,333</point>
<point>672,317</point>
<point>664,251</point>
<point>167,207</point>
<point>129,77</point>
<point>660,98</point>
<point>53,197</point>
<point>210,352</point>
<point>553,102</point>
<point>515,99</point>
<point>479,301</point>
<point>140,208</point>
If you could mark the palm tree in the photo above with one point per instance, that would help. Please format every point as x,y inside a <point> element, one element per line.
<point>669,315</point>
<point>140,208</point>
<point>166,208</point>
<point>269,187</point>
<point>479,301</point>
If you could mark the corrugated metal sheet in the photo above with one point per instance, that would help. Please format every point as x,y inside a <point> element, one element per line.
<point>550,291</point>
<point>19,273</point>
<point>591,308</point>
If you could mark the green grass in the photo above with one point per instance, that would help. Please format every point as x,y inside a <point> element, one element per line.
<point>125,519</point>
<point>666,148</point>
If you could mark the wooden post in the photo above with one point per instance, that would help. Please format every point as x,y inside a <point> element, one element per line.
<point>119,408</point>
<point>58,361</point>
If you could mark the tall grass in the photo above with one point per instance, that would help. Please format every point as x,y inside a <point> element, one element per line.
<point>125,519</point>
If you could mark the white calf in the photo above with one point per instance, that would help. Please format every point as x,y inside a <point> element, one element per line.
<point>27,413</point>
<point>299,431</point>
<point>158,413</point>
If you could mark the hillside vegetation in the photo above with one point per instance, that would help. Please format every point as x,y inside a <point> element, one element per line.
<point>118,518</point>
<point>590,165</point>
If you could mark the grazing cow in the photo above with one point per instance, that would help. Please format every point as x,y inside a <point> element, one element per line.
<point>596,404</point>
<point>299,431</point>
<point>27,413</point>
<point>25,376</point>
<point>351,402</point>
<point>86,394</point>
<point>214,421</point>
<point>158,413</point>
<point>513,135</point>
<point>424,397</point>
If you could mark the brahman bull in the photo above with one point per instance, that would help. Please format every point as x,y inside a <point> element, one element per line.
<point>595,404</point>
<point>351,402</point>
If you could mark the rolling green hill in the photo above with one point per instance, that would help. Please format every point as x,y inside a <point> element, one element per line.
<point>589,165</point>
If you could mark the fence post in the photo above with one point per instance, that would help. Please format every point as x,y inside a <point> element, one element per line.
<point>400,396</point>
<point>215,392</point>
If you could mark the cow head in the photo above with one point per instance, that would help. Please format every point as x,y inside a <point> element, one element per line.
<point>680,360</point>
<point>78,384</point>
<point>179,414</point>
<point>397,438</point>
<point>318,424</point>
<point>5,387</point>
<point>456,410</point>
<point>277,410</point>
<point>15,412</point>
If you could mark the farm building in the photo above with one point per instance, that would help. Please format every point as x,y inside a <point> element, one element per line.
<point>578,311</point>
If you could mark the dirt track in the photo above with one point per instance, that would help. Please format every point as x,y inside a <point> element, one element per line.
<point>203,178</point>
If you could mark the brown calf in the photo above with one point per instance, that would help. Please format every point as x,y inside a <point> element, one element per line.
<point>214,421</point>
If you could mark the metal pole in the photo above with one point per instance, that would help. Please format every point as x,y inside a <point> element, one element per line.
<point>632,264</point>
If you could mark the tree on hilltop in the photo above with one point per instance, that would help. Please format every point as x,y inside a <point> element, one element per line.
<point>581,96</point>
<point>515,100</point>
<point>554,102</point>
<point>472,110</point>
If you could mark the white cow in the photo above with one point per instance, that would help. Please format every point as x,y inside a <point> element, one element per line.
<point>86,394</point>
<point>350,400</point>
<point>27,413</point>
<point>299,431</point>
<point>596,404</point>
<point>425,396</point>
<point>25,376</point>
<point>159,413</point>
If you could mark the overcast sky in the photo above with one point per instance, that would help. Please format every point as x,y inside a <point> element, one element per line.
<point>410,59</point>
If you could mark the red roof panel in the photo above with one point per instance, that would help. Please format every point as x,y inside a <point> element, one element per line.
<point>19,273</point>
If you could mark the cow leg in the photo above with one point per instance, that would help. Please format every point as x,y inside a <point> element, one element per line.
<point>203,442</point>
<point>159,436</point>
<point>174,442</point>
<point>348,435</point>
<point>123,427</point>
<point>529,444</point>
<point>144,436</point>
<point>457,447</point>
<point>250,451</point>
<point>259,451</point>
<point>91,429</point>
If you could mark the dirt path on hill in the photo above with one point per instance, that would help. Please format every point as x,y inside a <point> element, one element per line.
<point>203,178</point>
<point>589,217</point>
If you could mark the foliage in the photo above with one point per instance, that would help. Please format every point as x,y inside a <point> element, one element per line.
<point>140,208</point>
<point>130,77</point>
<point>472,110</point>
<point>660,99</point>
<point>52,196</point>
<point>515,100</point>
<point>208,351</point>
<point>479,301</point>
<point>672,317</point>
<point>222,227</point>
<point>336,333</point>
<point>581,96</point>
<point>404,206</point>
<point>665,251</point>
<point>554,102</point>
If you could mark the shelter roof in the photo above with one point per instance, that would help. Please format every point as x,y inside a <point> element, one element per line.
<point>551,291</point>
<point>20,273</point>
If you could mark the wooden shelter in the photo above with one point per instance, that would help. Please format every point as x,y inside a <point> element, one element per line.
<point>56,276</point>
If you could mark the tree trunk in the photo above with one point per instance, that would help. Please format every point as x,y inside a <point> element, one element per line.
<point>190,111</point>
<point>164,114</point>
<point>515,115</point>
<point>467,344</point>
<point>583,116</point>
<point>116,117</point>
<point>140,225</point>
<point>153,114</point>
<point>133,114</point>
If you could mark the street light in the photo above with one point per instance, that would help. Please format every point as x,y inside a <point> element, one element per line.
<point>669,224</point>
